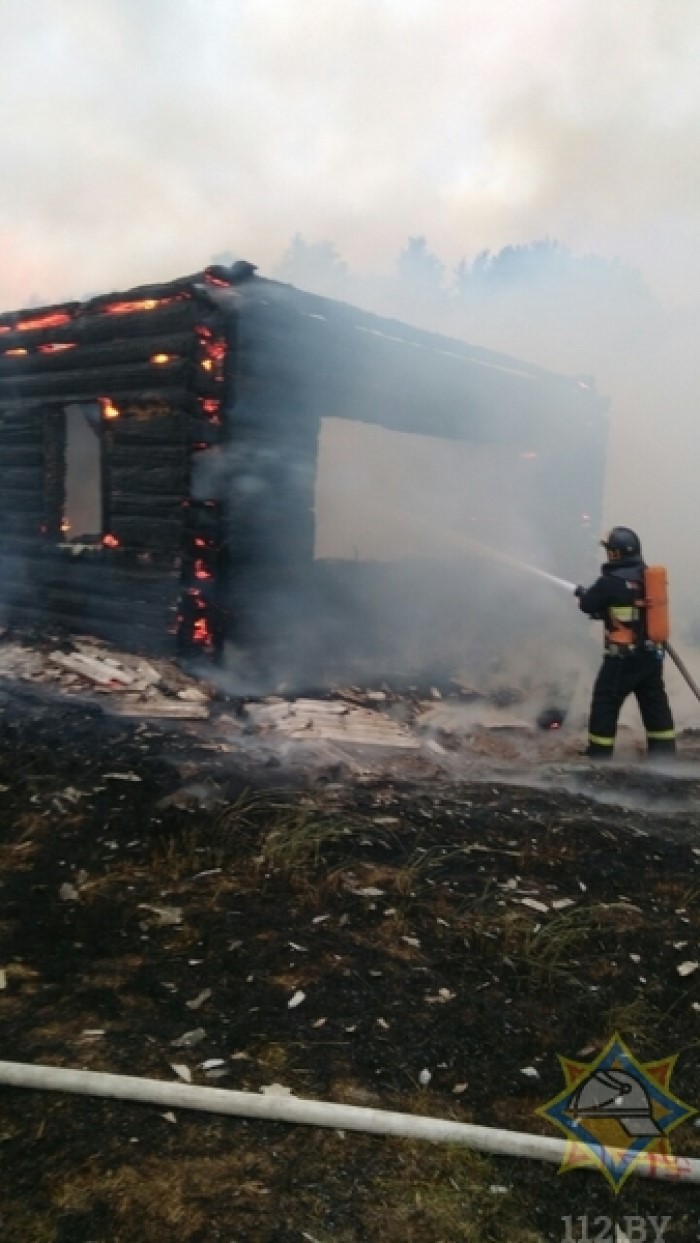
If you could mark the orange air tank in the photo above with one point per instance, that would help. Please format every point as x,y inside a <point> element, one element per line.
<point>656,604</point>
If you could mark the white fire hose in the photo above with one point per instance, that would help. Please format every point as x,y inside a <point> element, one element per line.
<point>294,1109</point>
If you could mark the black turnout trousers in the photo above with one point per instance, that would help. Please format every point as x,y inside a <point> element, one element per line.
<point>638,673</point>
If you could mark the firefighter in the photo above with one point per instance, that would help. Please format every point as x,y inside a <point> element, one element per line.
<point>632,664</point>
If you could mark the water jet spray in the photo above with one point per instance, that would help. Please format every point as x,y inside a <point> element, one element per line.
<point>459,540</point>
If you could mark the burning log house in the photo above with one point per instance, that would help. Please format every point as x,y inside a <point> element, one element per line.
<point>158,453</point>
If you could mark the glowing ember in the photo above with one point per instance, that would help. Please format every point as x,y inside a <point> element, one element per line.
<point>65,527</point>
<point>160,359</point>
<point>110,541</point>
<point>55,347</point>
<point>107,409</point>
<point>200,631</point>
<point>146,304</point>
<point>551,718</point>
<point>44,321</point>
<point>201,571</point>
<point>14,353</point>
<point>214,351</point>
<point>210,405</point>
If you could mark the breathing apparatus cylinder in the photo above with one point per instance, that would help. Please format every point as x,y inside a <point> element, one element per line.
<point>656,616</point>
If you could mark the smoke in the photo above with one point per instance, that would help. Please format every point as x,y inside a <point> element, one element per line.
<point>137,137</point>
<point>140,139</point>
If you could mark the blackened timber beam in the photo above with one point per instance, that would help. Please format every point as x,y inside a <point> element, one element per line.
<point>146,532</point>
<point>106,356</point>
<point>145,378</point>
<point>96,329</point>
<point>139,397</point>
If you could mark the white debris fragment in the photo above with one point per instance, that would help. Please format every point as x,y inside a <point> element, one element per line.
<point>3,979</point>
<point>368,892</point>
<point>296,999</point>
<point>442,996</point>
<point>68,893</point>
<point>183,1072</point>
<point>412,941</point>
<point>687,968</point>
<point>167,916</point>
<point>212,1063</point>
<point>199,1000</point>
<point>497,1190</point>
<point>424,1078</point>
<point>534,905</point>
<point>309,720</point>
<point>275,1089</point>
<point>636,957</point>
<point>530,1072</point>
<point>121,777</point>
<point>192,694</point>
<point>562,903</point>
<point>459,1088</point>
<point>169,1117</point>
<point>100,670</point>
<point>188,1040</point>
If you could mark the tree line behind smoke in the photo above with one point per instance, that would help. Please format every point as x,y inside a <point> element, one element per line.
<point>419,271</point>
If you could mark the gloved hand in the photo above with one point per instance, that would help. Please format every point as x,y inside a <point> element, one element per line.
<point>579,591</point>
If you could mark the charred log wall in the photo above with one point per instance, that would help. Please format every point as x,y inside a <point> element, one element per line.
<point>149,366</point>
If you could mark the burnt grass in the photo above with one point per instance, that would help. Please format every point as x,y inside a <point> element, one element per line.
<point>153,885</point>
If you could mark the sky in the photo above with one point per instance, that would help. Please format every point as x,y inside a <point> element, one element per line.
<point>140,137</point>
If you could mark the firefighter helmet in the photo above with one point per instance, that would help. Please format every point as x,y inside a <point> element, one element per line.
<point>621,542</point>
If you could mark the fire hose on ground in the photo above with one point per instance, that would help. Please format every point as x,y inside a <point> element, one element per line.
<point>300,1111</point>
<point>683,670</point>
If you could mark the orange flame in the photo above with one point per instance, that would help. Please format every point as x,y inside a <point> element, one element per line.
<point>107,408</point>
<point>53,320</point>
<point>201,633</point>
<point>145,304</point>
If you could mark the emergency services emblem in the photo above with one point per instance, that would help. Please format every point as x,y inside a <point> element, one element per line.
<point>616,1112</point>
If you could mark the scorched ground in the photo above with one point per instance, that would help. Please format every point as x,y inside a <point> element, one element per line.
<point>169,887</point>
